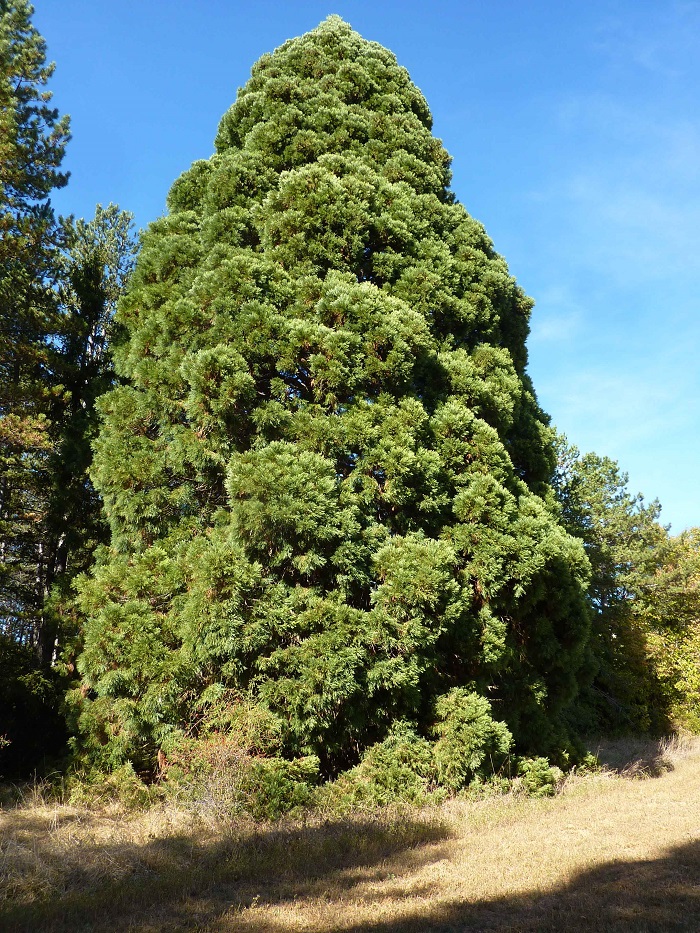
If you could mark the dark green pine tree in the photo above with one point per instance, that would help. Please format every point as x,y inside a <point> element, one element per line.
<point>325,473</point>
<point>66,520</point>
<point>92,274</point>
<point>32,142</point>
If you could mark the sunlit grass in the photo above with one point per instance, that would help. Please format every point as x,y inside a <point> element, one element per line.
<point>618,850</point>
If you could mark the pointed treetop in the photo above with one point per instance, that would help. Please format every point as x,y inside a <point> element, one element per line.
<point>333,67</point>
<point>322,469</point>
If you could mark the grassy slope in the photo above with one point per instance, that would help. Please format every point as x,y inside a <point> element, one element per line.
<point>609,853</point>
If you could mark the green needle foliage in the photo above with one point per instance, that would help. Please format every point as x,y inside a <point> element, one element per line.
<point>59,282</point>
<point>326,470</point>
<point>626,546</point>
<point>32,143</point>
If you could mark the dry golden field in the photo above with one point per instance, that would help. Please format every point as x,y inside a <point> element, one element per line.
<point>616,851</point>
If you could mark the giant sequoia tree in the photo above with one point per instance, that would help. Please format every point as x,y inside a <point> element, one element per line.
<point>326,470</point>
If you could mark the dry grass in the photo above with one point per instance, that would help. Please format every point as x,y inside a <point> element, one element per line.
<point>639,757</point>
<point>611,852</point>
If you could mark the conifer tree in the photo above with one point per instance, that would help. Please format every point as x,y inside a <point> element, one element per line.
<point>32,143</point>
<point>324,472</point>
<point>93,272</point>
<point>59,282</point>
<point>626,546</point>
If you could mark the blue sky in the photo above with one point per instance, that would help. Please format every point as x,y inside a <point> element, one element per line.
<point>575,136</point>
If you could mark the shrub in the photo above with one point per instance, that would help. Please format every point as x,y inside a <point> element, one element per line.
<point>219,775</point>
<point>398,770</point>
<point>539,778</point>
<point>272,787</point>
<point>121,786</point>
<point>470,743</point>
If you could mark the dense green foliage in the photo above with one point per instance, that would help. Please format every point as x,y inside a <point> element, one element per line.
<point>645,604</point>
<point>53,519</point>
<point>622,538</point>
<point>668,611</point>
<point>32,142</point>
<point>93,269</point>
<point>324,470</point>
<point>59,283</point>
<point>345,544</point>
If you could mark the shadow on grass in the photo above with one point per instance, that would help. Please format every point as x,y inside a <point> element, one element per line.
<point>184,882</point>
<point>178,885</point>
<point>622,897</point>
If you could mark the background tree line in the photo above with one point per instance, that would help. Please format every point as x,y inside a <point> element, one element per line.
<point>59,282</point>
<point>208,443</point>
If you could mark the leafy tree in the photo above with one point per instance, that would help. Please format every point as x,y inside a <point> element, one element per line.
<point>56,521</point>
<point>32,145</point>
<point>669,610</point>
<point>323,470</point>
<point>67,522</point>
<point>625,545</point>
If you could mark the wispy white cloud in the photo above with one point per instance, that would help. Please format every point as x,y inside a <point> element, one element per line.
<point>630,231</point>
<point>615,237</point>
<point>621,407</point>
<point>629,191</point>
<point>660,39</point>
<point>557,318</point>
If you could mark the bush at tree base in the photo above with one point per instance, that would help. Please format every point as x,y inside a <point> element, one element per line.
<point>326,471</point>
